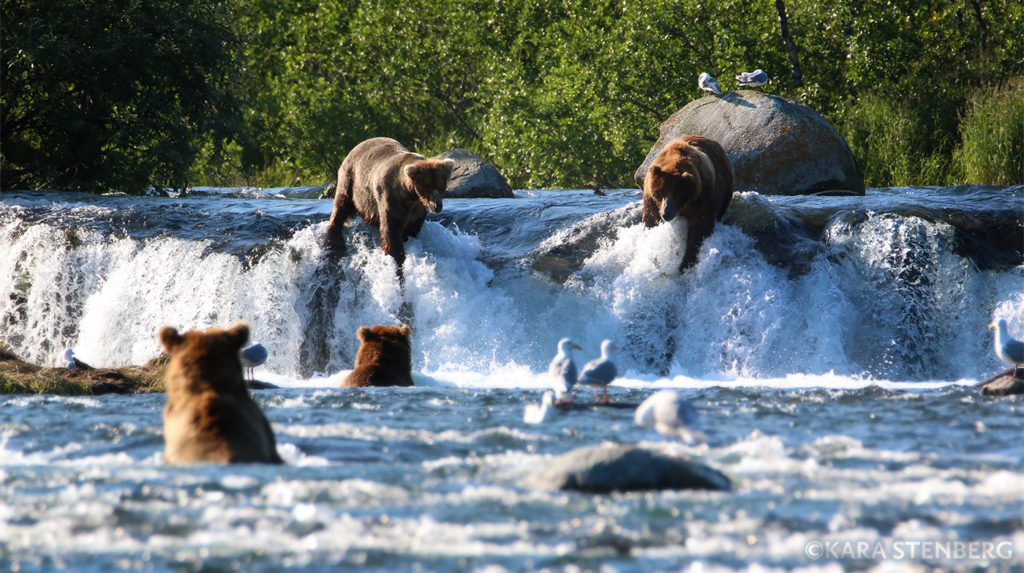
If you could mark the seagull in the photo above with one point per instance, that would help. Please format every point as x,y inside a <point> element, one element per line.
<point>670,415</point>
<point>1007,348</point>
<point>252,356</point>
<point>754,79</point>
<point>600,372</point>
<point>708,83</point>
<point>72,362</point>
<point>535,414</point>
<point>563,371</point>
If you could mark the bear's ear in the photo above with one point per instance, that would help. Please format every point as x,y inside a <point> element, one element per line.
<point>655,170</point>
<point>450,164</point>
<point>363,333</point>
<point>238,333</point>
<point>406,330</point>
<point>412,170</point>
<point>169,338</point>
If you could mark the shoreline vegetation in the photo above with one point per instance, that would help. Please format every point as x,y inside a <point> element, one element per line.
<point>20,377</point>
<point>171,94</point>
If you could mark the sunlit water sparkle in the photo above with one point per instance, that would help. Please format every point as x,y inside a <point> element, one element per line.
<point>834,382</point>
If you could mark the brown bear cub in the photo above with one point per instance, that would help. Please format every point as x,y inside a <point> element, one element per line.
<point>692,178</point>
<point>391,187</point>
<point>210,416</point>
<point>384,358</point>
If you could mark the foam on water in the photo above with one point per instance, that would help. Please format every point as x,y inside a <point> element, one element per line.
<point>883,296</point>
<point>428,477</point>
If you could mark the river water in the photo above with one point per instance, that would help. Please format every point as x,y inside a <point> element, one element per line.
<point>830,345</point>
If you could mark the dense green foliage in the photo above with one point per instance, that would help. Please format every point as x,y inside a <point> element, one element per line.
<point>556,94</point>
<point>993,136</point>
<point>113,95</point>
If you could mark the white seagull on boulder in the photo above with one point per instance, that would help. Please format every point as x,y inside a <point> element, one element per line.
<point>670,415</point>
<point>600,372</point>
<point>563,371</point>
<point>708,83</point>
<point>1007,348</point>
<point>754,79</point>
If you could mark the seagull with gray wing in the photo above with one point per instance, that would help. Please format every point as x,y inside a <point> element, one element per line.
<point>754,79</point>
<point>562,371</point>
<point>1007,348</point>
<point>73,362</point>
<point>252,356</point>
<point>709,84</point>
<point>600,372</point>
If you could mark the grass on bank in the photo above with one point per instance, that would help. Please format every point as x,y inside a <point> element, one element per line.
<point>20,377</point>
<point>992,129</point>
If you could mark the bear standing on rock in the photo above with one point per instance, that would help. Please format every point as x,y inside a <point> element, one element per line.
<point>210,416</point>
<point>384,357</point>
<point>391,187</point>
<point>691,178</point>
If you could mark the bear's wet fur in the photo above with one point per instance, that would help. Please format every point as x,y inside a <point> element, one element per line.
<point>384,357</point>
<point>690,178</point>
<point>210,416</point>
<point>391,187</point>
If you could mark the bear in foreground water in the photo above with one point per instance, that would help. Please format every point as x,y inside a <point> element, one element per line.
<point>210,416</point>
<point>384,358</point>
<point>391,187</point>
<point>691,178</point>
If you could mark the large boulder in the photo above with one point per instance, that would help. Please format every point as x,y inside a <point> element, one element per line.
<point>474,177</point>
<point>776,146</point>
<point>612,467</point>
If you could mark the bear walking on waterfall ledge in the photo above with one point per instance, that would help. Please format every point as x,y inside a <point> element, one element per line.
<point>210,416</point>
<point>391,187</point>
<point>384,358</point>
<point>691,178</point>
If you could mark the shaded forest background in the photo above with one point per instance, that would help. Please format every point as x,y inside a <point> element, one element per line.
<point>126,95</point>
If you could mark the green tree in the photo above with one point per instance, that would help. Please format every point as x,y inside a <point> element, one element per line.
<point>113,95</point>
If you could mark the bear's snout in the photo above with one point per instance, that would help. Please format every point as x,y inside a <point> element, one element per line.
<point>668,210</point>
<point>433,204</point>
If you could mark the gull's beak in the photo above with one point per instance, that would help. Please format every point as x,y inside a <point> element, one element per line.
<point>577,347</point>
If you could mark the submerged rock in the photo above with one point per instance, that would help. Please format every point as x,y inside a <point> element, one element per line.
<point>474,177</point>
<point>776,146</point>
<point>1005,383</point>
<point>560,259</point>
<point>606,468</point>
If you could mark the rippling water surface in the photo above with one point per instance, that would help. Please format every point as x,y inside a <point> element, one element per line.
<point>830,345</point>
<point>427,478</point>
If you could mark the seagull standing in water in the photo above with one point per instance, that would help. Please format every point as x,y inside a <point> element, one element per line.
<point>708,83</point>
<point>600,372</point>
<point>1007,348</point>
<point>670,415</point>
<point>754,79</point>
<point>252,356</point>
<point>535,414</point>
<point>563,371</point>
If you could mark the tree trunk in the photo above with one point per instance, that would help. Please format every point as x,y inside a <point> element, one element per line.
<point>787,39</point>
<point>982,32</point>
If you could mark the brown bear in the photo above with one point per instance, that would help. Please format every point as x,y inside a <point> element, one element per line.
<point>691,177</point>
<point>209,416</point>
<point>391,187</point>
<point>384,357</point>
